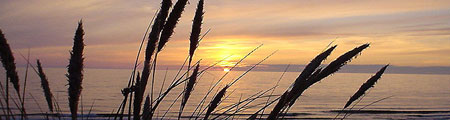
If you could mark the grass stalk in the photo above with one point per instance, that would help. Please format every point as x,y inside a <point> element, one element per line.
<point>201,102</point>
<point>310,75</point>
<point>195,32</point>
<point>362,90</point>
<point>348,114</point>
<point>151,46</point>
<point>7,59</point>
<point>137,92</point>
<point>6,98</point>
<point>45,86</point>
<point>166,32</point>
<point>366,86</point>
<point>146,109</point>
<point>75,71</point>
<point>23,116</point>
<point>215,102</point>
<point>171,23</point>
<point>90,110</point>
<point>125,94</point>
<point>189,88</point>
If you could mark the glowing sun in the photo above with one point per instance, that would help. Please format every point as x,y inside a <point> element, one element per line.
<point>226,69</point>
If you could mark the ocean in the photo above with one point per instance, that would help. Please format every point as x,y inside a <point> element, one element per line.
<point>411,96</point>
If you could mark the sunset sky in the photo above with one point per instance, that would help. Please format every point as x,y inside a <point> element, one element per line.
<point>401,32</point>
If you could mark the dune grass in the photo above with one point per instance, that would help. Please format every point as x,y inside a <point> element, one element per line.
<point>45,86</point>
<point>162,28</point>
<point>75,71</point>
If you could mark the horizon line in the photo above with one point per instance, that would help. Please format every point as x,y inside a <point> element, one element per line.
<point>358,68</point>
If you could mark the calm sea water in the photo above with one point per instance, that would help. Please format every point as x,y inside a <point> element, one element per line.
<point>411,92</point>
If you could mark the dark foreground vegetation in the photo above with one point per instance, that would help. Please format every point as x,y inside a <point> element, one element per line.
<point>142,106</point>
